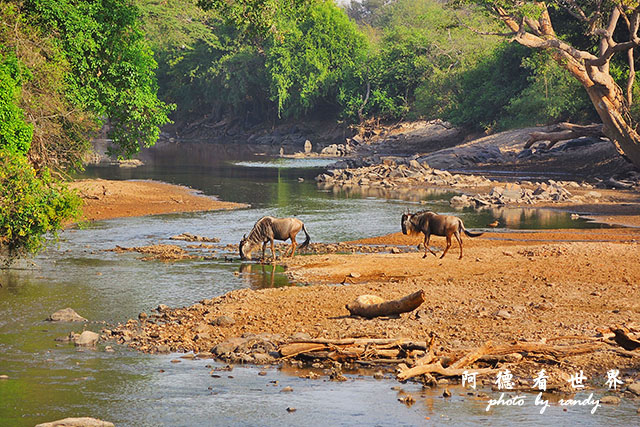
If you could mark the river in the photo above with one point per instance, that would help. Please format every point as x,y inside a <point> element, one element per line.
<point>49,380</point>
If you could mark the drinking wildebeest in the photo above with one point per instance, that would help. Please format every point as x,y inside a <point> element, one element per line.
<point>440,225</point>
<point>269,228</point>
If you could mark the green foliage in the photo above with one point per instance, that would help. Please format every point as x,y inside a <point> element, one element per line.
<point>112,68</point>
<point>485,90</point>
<point>552,95</point>
<point>30,205</point>
<point>308,60</point>
<point>15,133</point>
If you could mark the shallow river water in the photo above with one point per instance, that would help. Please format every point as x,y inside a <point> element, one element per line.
<point>49,380</point>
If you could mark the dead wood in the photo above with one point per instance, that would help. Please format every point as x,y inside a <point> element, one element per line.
<point>564,132</point>
<point>387,308</point>
<point>437,368</point>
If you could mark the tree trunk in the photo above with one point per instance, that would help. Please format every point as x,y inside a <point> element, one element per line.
<point>616,127</point>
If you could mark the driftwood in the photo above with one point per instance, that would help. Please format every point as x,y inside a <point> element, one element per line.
<point>362,305</point>
<point>422,357</point>
<point>488,350</point>
<point>564,132</point>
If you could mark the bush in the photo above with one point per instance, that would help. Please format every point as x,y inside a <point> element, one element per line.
<point>30,205</point>
<point>15,133</point>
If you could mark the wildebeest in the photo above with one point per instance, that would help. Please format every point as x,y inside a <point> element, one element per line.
<point>268,229</point>
<point>440,225</point>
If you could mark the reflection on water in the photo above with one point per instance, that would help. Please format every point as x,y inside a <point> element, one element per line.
<point>50,380</point>
<point>258,276</point>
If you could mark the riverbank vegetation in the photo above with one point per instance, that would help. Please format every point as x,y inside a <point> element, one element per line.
<point>253,62</point>
<point>66,68</point>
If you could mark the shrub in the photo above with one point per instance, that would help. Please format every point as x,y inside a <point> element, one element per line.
<point>31,205</point>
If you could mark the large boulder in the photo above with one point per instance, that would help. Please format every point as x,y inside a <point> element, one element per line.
<point>77,422</point>
<point>86,339</point>
<point>66,315</point>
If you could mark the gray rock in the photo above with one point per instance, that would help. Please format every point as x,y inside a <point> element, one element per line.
<point>66,315</point>
<point>77,422</point>
<point>223,321</point>
<point>86,339</point>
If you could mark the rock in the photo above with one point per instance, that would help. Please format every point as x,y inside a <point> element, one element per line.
<point>66,315</point>
<point>634,388</point>
<point>77,422</point>
<point>86,339</point>
<point>461,201</point>
<point>227,346</point>
<point>163,348</point>
<point>504,314</point>
<point>610,400</point>
<point>223,321</point>
<point>307,146</point>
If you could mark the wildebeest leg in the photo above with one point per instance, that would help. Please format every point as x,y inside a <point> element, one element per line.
<point>264,247</point>
<point>273,251</point>
<point>427,237</point>
<point>293,245</point>
<point>448,245</point>
<point>457,234</point>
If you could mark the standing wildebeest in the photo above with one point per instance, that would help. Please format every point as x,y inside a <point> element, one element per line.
<point>440,225</point>
<point>269,228</point>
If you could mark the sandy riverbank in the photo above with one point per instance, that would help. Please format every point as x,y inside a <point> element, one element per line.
<point>106,199</point>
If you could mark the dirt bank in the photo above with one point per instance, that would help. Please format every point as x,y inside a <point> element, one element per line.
<point>105,199</point>
<point>509,286</point>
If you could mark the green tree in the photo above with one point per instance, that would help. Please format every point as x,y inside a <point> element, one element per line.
<point>15,133</point>
<point>111,65</point>
<point>608,34</point>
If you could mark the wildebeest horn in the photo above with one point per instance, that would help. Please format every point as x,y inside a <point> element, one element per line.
<point>244,236</point>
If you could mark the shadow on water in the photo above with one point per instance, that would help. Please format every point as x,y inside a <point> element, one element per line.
<point>49,380</point>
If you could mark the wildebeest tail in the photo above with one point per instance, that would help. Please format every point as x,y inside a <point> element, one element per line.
<point>470,234</point>
<point>307,240</point>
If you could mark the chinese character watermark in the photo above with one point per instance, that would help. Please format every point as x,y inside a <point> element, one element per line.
<point>577,380</point>
<point>469,378</point>
<point>612,379</point>
<point>504,380</point>
<point>540,382</point>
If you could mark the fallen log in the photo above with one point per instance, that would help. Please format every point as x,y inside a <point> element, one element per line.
<point>437,368</point>
<point>564,132</point>
<point>363,307</point>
